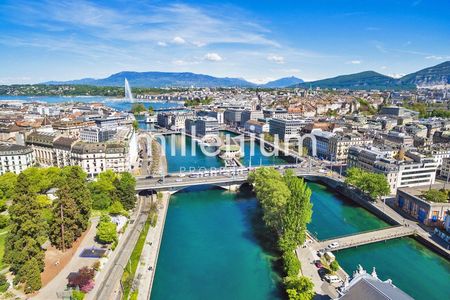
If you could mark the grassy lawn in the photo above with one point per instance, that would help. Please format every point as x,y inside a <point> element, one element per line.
<point>2,247</point>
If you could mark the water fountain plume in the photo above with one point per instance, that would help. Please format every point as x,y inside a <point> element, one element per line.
<point>128,94</point>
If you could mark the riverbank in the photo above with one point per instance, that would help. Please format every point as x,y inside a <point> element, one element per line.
<point>145,272</point>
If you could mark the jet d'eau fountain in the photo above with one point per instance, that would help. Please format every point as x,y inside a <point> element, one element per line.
<point>128,94</point>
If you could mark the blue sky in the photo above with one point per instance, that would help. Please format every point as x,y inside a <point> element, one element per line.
<point>257,40</point>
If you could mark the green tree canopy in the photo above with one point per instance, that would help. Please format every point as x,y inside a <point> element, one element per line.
<point>126,190</point>
<point>374,184</point>
<point>434,195</point>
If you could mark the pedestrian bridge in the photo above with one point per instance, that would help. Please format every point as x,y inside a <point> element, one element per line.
<point>365,238</point>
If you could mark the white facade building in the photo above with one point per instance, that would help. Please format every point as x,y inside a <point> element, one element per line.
<point>15,158</point>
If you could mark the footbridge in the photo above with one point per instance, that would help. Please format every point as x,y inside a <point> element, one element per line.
<point>365,238</point>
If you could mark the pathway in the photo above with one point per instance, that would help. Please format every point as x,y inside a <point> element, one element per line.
<point>149,256</point>
<point>59,282</point>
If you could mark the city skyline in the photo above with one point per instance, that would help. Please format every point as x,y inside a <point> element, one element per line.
<point>257,41</point>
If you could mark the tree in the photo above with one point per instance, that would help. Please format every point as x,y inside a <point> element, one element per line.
<point>4,221</point>
<point>117,209</point>
<point>65,220</point>
<point>299,288</point>
<point>334,266</point>
<point>79,191</point>
<point>126,190</point>
<point>434,195</point>
<point>7,183</point>
<point>135,125</point>
<point>83,279</point>
<point>374,184</point>
<point>31,275</point>
<point>106,231</point>
<point>291,263</point>
<point>138,108</point>
<point>103,190</point>
<point>151,110</point>
<point>27,231</point>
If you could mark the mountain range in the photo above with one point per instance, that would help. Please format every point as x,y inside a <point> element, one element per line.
<point>432,76</point>
<point>174,79</point>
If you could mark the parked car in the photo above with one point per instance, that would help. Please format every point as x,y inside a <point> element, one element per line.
<point>332,278</point>
<point>333,245</point>
<point>318,264</point>
<point>160,180</point>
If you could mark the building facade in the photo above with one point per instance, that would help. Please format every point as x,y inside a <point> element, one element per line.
<point>15,158</point>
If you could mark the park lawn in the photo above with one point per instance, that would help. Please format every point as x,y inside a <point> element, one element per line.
<point>3,234</point>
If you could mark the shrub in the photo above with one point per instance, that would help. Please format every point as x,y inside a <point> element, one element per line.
<point>96,265</point>
<point>83,279</point>
<point>4,221</point>
<point>77,295</point>
<point>4,284</point>
<point>334,266</point>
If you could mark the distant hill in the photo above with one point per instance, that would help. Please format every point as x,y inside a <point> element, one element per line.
<point>161,79</point>
<point>437,75</point>
<point>282,82</point>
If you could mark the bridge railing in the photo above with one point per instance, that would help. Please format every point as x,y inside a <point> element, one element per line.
<point>360,233</point>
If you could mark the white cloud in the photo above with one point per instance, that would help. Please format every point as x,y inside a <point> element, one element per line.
<point>276,58</point>
<point>162,44</point>
<point>354,62</point>
<point>437,57</point>
<point>178,40</point>
<point>383,67</point>
<point>213,57</point>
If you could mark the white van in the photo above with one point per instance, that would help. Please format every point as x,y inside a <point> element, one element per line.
<point>332,278</point>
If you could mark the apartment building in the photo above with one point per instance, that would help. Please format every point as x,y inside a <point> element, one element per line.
<point>406,173</point>
<point>202,126</point>
<point>63,150</point>
<point>42,145</point>
<point>232,116</point>
<point>286,129</point>
<point>339,145</point>
<point>15,158</point>
<point>248,115</point>
<point>97,134</point>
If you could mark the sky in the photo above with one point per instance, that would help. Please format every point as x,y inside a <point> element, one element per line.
<point>256,40</point>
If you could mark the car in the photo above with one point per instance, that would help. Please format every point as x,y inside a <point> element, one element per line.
<point>178,180</point>
<point>332,278</point>
<point>160,180</point>
<point>321,252</point>
<point>322,273</point>
<point>318,264</point>
<point>333,245</point>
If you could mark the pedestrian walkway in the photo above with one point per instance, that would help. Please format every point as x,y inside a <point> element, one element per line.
<point>149,257</point>
<point>366,238</point>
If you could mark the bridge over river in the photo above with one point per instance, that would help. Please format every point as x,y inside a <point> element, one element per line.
<point>364,238</point>
<point>228,178</point>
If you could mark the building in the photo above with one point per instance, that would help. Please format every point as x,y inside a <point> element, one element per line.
<point>15,158</point>
<point>429,213</point>
<point>202,126</point>
<point>286,129</point>
<point>206,126</point>
<point>63,150</point>
<point>396,111</point>
<point>445,168</point>
<point>369,287</point>
<point>109,122</point>
<point>233,116</point>
<point>42,145</point>
<point>70,128</point>
<point>257,127</point>
<point>418,171</point>
<point>339,145</point>
<point>97,134</point>
<point>248,115</point>
<point>173,121</point>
